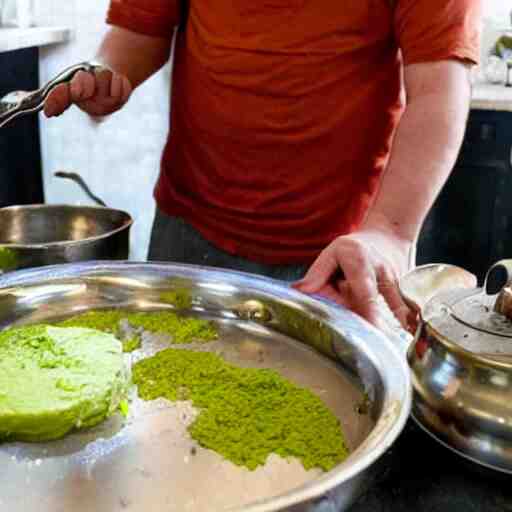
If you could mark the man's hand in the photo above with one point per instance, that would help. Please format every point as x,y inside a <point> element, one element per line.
<point>356,268</point>
<point>98,94</point>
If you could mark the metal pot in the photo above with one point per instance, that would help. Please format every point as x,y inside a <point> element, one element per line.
<point>257,306</point>
<point>461,360</point>
<point>40,235</point>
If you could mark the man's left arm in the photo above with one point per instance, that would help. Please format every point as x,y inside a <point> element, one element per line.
<point>424,151</point>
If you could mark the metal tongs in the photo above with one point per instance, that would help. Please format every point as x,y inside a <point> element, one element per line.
<point>19,103</point>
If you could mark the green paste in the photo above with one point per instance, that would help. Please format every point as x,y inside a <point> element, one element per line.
<point>180,330</point>
<point>245,414</point>
<point>124,408</point>
<point>55,380</point>
<point>131,344</point>
<point>180,298</point>
<point>8,259</point>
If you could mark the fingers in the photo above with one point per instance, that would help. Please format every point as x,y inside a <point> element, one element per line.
<point>367,277</point>
<point>82,87</point>
<point>359,290</point>
<point>58,101</point>
<point>97,94</point>
<point>103,83</point>
<point>320,272</point>
<point>100,106</point>
<point>360,277</point>
<point>120,89</point>
<point>126,90</point>
<point>116,86</point>
<point>332,293</point>
<point>112,92</point>
<point>388,287</point>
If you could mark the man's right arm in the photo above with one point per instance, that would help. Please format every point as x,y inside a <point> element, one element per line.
<point>131,56</point>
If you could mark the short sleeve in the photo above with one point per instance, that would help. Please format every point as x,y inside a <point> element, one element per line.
<point>150,17</point>
<point>433,30</point>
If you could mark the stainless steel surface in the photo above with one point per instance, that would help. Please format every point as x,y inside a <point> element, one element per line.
<point>463,399</point>
<point>39,235</point>
<point>73,176</point>
<point>461,363</point>
<point>137,465</point>
<point>423,283</point>
<point>473,318</point>
<point>18,103</point>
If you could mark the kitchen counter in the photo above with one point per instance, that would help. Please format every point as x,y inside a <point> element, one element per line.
<point>16,39</point>
<point>422,476</point>
<point>491,97</point>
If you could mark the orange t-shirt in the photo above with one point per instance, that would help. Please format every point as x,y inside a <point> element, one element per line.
<point>283,111</point>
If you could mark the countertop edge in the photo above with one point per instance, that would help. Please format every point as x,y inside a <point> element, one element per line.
<point>12,39</point>
<point>492,97</point>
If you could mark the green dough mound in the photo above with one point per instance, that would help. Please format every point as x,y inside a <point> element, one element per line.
<point>245,413</point>
<point>54,380</point>
<point>180,330</point>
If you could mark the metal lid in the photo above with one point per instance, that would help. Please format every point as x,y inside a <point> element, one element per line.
<point>477,319</point>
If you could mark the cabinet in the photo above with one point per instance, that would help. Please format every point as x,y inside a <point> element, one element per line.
<point>470,224</point>
<point>20,153</point>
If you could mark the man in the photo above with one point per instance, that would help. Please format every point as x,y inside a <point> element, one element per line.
<point>303,134</point>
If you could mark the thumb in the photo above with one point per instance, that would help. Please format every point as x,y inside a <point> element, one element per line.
<point>58,101</point>
<point>319,274</point>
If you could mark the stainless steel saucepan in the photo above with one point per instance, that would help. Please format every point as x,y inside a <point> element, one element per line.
<point>40,235</point>
<point>461,360</point>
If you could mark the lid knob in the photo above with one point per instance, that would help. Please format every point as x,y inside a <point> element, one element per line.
<point>499,280</point>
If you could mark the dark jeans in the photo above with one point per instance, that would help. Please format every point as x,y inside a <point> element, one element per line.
<point>172,239</point>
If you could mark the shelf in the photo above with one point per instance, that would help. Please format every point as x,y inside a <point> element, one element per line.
<point>16,39</point>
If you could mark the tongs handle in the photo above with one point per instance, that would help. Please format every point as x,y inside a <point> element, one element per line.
<point>34,102</point>
<point>66,76</point>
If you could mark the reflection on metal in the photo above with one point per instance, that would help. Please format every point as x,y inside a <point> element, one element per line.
<point>254,310</point>
<point>461,362</point>
<point>40,235</point>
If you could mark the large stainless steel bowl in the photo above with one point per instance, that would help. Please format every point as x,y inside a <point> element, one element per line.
<point>374,364</point>
<point>39,235</point>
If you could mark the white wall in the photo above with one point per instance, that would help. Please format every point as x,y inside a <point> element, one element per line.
<point>497,7</point>
<point>119,158</point>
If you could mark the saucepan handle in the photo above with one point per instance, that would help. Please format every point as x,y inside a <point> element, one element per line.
<point>73,176</point>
